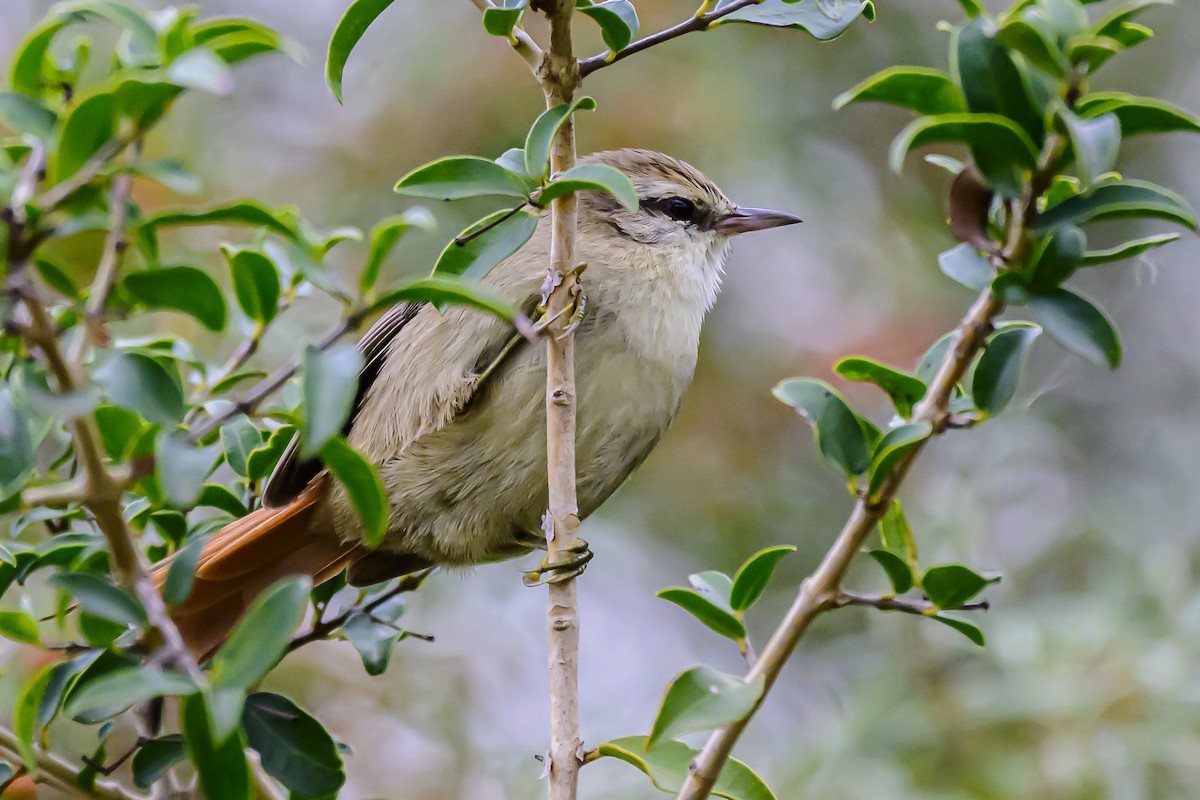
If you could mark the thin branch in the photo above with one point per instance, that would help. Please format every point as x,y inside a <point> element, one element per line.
<point>521,41</point>
<point>462,240</point>
<point>921,608</point>
<point>60,774</point>
<point>700,22</point>
<point>322,628</point>
<point>56,194</point>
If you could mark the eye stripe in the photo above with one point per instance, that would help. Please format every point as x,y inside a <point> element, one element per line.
<point>664,205</point>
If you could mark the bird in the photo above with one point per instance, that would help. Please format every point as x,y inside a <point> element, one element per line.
<point>450,406</point>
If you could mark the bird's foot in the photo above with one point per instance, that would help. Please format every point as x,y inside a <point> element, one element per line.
<point>571,563</point>
<point>574,311</point>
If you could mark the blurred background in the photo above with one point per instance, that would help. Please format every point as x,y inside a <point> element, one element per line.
<point>1083,495</point>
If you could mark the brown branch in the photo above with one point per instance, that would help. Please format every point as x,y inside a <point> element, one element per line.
<point>700,22</point>
<point>521,41</point>
<point>921,608</point>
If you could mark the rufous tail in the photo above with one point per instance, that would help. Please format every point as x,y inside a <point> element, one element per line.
<point>246,557</point>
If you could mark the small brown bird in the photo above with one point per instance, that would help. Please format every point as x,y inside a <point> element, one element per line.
<point>450,406</point>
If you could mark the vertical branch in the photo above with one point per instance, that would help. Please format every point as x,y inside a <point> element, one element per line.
<point>559,75</point>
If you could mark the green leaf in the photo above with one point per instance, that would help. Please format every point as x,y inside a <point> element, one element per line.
<point>25,715</point>
<point>456,177</point>
<point>1117,200</point>
<point>703,699</point>
<point>1095,143</point>
<point>1003,151</point>
<point>222,766</point>
<point>753,576</point>
<point>1138,115</point>
<point>1020,35</point>
<point>56,278</point>
<point>823,21</point>
<point>220,497</point>
<point>203,70</point>
<point>349,30</point>
<point>924,90</point>
<point>1078,325</point>
<point>991,81</point>
<point>109,695</point>
<point>617,19</point>
<point>329,381</point>
<point>716,586</point>
<point>263,458</point>
<point>667,767</point>
<point>27,115</point>
<point>967,266</point>
<point>894,445</point>
<point>363,484</point>
<point>839,432</point>
<point>999,368</point>
<point>29,58</point>
<point>952,585</point>
<point>181,575</point>
<point>16,442</point>
<point>88,124</point>
<point>591,177</point>
<point>19,627</point>
<point>541,135</point>
<point>143,39</point>
<point>262,636</point>
<point>702,608</point>
<point>1129,249</point>
<point>97,596</point>
<point>295,749</point>
<point>384,236</point>
<point>904,389</point>
<point>155,757</point>
<point>896,534</point>
<point>239,439</point>
<point>182,467</point>
<point>967,629</point>
<point>897,569</point>
<point>485,244</point>
<point>374,640</point>
<point>140,383</point>
<point>185,289</point>
<point>255,282</point>
<point>238,212</point>
<point>236,39</point>
<point>1057,259</point>
<point>500,20</point>
<point>170,172</point>
<point>441,290</point>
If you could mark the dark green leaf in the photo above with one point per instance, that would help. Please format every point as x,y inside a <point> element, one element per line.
<point>952,585</point>
<point>138,382</point>
<point>480,252</point>
<point>57,278</point>
<point>1020,35</point>
<point>702,699</point>
<point>239,438</point>
<point>262,636</point>
<point>181,575</point>
<point>456,177</point>
<point>897,569</point>
<point>182,467</point>
<point>1127,250</point>
<point>441,290</point>
<point>329,380</point>
<point>222,767</point>
<point>541,135</point>
<point>384,236</point>
<point>999,368</point>
<point>839,433</point>
<point>155,757</point>
<point>362,482</point>
<point>1003,151</point>
<point>1118,199</point>
<point>667,767</point>
<point>753,576</point>
<point>904,389</point>
<point>16,442</point>
<point>1078,325</point>
<point>264,458</point>
<point>217,496</point>
<point>110,694</point>
<point>373,641</point>
<point>1138,115</point>
<point>19,627</point>
<point>924,90</point>
<point>966,265</point>
<point>967,629</point>
<point>29,58</point>
<point>255,282</point>
<point>991,81</point>
<point>823,21</point>
<point>702,608</point>
<point>1056,259</point>
<point>617,19</point>
<point>88,124</point>
<point>591,177</point>
<point>226,385</point>
<point>895,444</point>
<point>97,596</point>
<point>238,212</point>
<point>185,289</point>
<point>1095,142</point>
<point>26,115</point>
<point>294,747</point>
<point>349,30</point>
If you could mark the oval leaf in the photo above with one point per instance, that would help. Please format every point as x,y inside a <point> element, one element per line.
<point>1115,200</point>
<point>1078,325</point>
<point>897,569</point>
<point>1003,151</point>
<point>904,389</point>
<point>541,135</point>
<point>262,636</point>
<point>952,585</point>
<point>839,432</point>
<point>591,177</point>
<point>895,444</point>
<point>667,768</point>
<point>703,699</point>
<point>295,749</point>
<point>703,609</point>
<point>753,576</point>
<point>185,289</point>
<point>329,381</point>
<point>999,368</point>
<point>456,177</point>
<point>255,283</point>
<point>475,251</point>
<point>926,91</point>
<point>363,484</point>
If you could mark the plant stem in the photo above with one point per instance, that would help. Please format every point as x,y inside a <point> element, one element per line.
<point>60,774</point>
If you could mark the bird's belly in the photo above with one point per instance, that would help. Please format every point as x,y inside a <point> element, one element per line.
<point>461,494</point>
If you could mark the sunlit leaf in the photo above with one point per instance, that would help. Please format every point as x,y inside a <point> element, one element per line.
<point>667,767</point>
<point>753,576</point>
<point>924,90</point>
<point>703,699</point>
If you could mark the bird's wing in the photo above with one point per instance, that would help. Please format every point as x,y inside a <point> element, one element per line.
<point>479,341</point>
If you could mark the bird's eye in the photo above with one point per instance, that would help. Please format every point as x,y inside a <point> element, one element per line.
<point>680,209</point>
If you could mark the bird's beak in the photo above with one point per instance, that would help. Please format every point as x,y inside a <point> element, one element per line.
<point>744,220</point>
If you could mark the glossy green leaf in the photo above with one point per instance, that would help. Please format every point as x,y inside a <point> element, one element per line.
<point>239,439</point>
<point>839,433</point>
<point>25,715</point>
<point>220,497</point>
<point>1078,325</point>
<point>541,136</point>
<point>1020,35</point>
<point>16,441</point>
<point>485,244</point>
<point>117,691</point>
<point>894,445</point>
<point>155,757</point>
<point>1116,200</point>
<point>29,57</point>
<point>999,369</point>
<point>1138,115</point>
<point>441,290</point>
<point>374,636</point>
<point>904,389</point>
<point>181,574</point>
<point>17,626</point>
<point>823,21</point>
<point>924,90</point>
<point>364,486</point>
<point>255,282</point>
<point>991,81</point>
<point>1057,258</point>
<point>1003,151</point>
<point>456,177</point>
<point>966,265</point>
<point>97,596</point>
<point>87,125</point>
<point>898,570</point>
<point>236,39</point>
<point>329,382</point>
<point>500,19</point>
<point>617,19</point>
<point>753,576</point>
<point>591,177</point>
<point>238,212</point>
<point>182,467</point>
<point>261,636</point>
<point>952,585</point>
<point>1095,143</point>
<point>667,768</point>
<point>703,699</point>
<point>294,748</point>
<point>967,629</point>
<point>222,766</point>
<point>139,383</point>
<point>1129,249</point>
<point>349,30</point>
<point>702,608</point>
<point>384,236</point>
<point>185,289</point>
<point>27,115</point>
<point>262,460</point>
